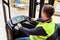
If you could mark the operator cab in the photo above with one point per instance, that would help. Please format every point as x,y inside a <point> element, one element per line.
<point>11,25</point>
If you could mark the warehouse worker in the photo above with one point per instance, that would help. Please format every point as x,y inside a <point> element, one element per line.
<point>43,29</point>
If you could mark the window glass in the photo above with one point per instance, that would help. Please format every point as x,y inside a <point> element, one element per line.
<point>19,7</point>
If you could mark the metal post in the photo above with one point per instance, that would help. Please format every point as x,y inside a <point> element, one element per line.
<point>32,8</point>
<point>9,36</point>
<point>51,2</point>
<point>41,5</point>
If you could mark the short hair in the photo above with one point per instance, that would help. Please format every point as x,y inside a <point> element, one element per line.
<point>49,10</point>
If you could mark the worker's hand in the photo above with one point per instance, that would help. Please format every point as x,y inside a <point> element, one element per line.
<point>19,25</point>
<point>33,19</point>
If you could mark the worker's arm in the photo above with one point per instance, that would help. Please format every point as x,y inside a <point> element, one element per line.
<point>39,19</point>
<point>34,31</point>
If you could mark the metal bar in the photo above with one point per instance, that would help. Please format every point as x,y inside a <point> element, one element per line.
<point>51,2</point>
<point>8,4</point>
<point>41,5</point>
<point>4,10</point>
<point>5,15</point>
<point>32,8</point>
<point>5,2</point>
<point>9,11</point>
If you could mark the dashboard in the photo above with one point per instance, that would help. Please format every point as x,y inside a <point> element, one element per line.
<point>18,19</point>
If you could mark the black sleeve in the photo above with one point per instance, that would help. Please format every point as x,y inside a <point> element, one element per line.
<point>34,31</point>
<point>40,19</point>
<point>37,21</point>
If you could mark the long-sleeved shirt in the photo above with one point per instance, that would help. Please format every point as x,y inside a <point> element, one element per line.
<point>35,31</point>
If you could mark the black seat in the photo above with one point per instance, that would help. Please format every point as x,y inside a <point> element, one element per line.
<point>56,34</point>
<point>59,32</point>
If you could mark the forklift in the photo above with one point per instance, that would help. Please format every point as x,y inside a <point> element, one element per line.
<point>11,24</point>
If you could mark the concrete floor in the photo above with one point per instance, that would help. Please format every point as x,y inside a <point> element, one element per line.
<point>14,13</point>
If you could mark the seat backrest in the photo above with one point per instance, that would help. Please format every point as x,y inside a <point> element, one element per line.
<point>56,34</point>
<point>58,31</point>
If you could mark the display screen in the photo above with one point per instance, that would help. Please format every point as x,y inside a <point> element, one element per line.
<point>20,19</point>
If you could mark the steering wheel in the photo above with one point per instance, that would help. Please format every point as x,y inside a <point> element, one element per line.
<point>26,20</point>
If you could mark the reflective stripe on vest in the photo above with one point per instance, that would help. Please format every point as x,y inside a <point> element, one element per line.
<point>49,29</point>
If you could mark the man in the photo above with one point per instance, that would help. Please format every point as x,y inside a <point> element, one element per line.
<point>45,28</point>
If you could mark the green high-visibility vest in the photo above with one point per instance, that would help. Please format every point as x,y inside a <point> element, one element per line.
<point>49,29</point>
